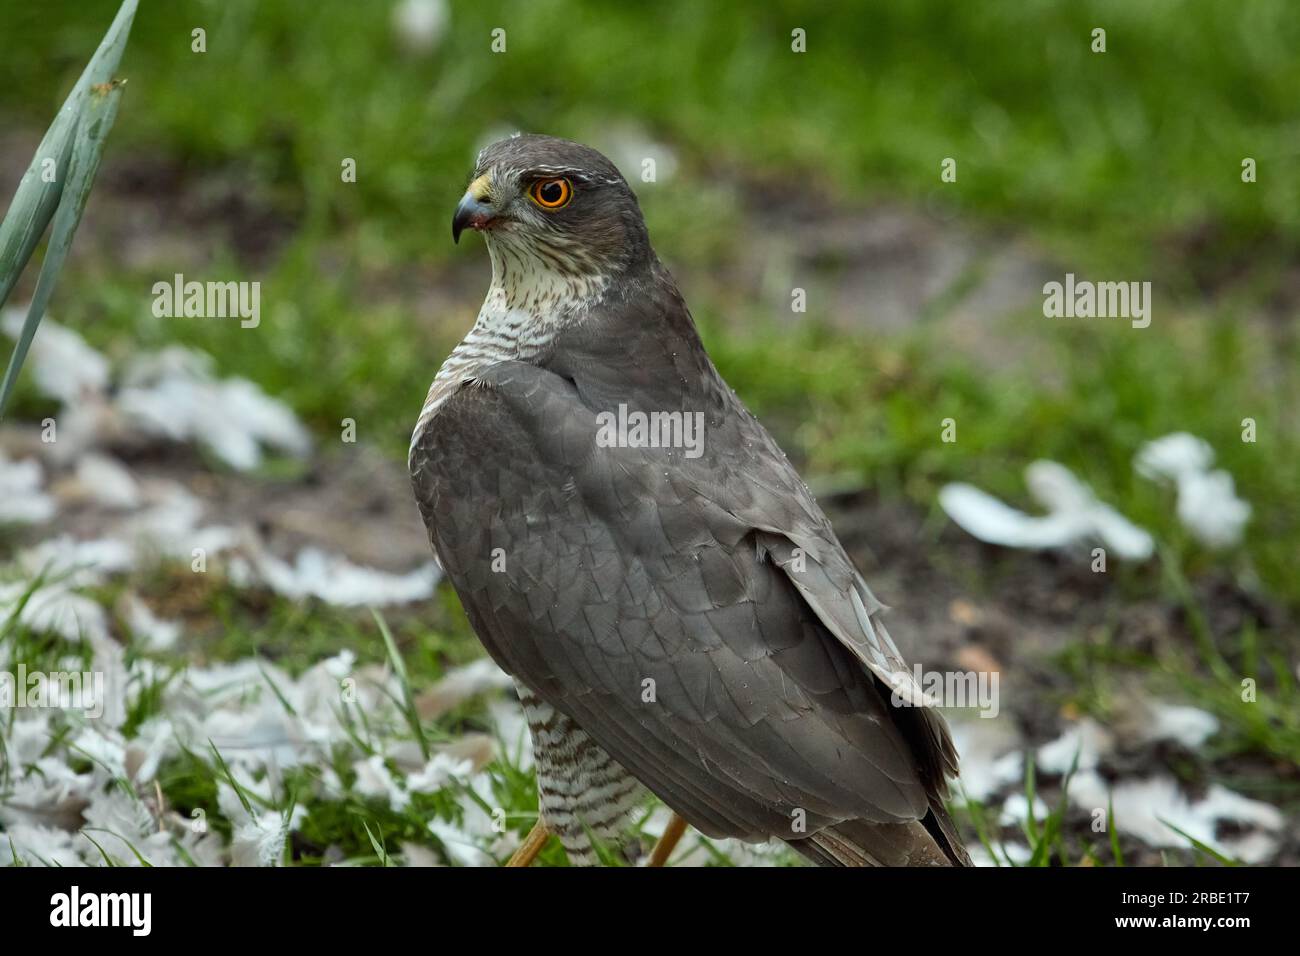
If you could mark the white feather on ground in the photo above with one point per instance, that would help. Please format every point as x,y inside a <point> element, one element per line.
<point>170,394</point>
<point>1074,515</point>
<point>1207,504</point>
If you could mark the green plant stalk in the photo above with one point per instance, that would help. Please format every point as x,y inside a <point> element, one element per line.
<point>75,144</point>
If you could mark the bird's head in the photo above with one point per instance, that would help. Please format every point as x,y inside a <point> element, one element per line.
<point>550,205</point>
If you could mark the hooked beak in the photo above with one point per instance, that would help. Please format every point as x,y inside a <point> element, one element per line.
<point>475,209</point>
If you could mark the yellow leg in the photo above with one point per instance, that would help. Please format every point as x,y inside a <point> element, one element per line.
<point>531,846</point>
<point>664,848</point>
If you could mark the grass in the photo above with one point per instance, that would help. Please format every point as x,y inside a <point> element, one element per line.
<point>877,410</point>
<point>1095,154</point>
<point>1092,150</point>
<point>1046,129</point>
<point>339,828</point>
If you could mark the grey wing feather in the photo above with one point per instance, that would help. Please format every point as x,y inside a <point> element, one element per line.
<point>622,575</point>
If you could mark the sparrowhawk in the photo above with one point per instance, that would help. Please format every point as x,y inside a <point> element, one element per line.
<point>674,607</point>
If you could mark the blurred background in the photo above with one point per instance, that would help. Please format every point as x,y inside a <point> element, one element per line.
<point>1161,687</point>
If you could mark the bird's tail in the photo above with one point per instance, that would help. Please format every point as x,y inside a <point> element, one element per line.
<point>932,841</point>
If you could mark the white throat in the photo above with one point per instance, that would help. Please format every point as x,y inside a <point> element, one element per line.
<point>537,280</point>
<point>527,304</point>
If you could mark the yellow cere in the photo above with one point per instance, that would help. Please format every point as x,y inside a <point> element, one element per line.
<point>481,188</point>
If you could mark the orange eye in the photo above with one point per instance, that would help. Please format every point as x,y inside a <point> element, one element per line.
<point>551,193</point>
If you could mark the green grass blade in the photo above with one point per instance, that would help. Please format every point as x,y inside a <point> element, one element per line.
<point>108,860</point>
<point>129,845</point>
<point>1200,844</point>
<point>230,778</point>
<point>407,703</point>
<point>1114,832</point>
<point>279,695</point>
<point>380,850</point>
